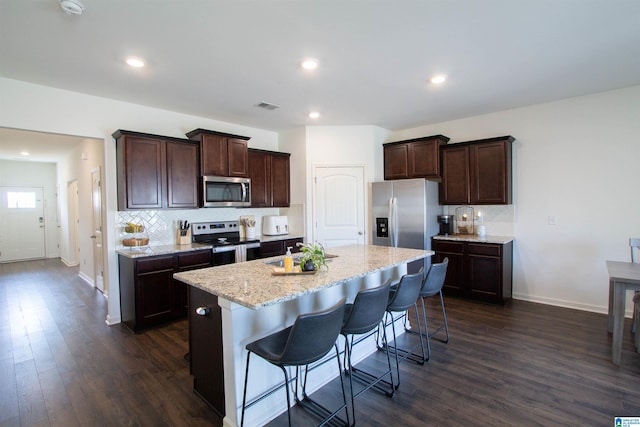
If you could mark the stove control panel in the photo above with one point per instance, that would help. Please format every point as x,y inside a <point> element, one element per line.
<point>199,228</point>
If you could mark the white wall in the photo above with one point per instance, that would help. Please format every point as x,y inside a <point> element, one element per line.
<point>36,174</point>
<point>343,145</point>
<point>45,109</point>
<point>578,160</point>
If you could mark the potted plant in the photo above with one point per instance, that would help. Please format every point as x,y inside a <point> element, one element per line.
<point>312,257</point>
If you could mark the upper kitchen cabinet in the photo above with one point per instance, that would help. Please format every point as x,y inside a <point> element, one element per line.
<point>222,154</point>
<point>477,172</point>
<point>156,172</point>
<point>269,173</point>
<point>413,158</point>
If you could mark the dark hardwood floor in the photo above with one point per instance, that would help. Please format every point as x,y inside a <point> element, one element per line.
<point>523,364</point>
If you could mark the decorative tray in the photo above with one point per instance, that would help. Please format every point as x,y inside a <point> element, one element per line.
<point>279,271</point>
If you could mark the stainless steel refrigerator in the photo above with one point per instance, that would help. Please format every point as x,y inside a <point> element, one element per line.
<point>405,215</point>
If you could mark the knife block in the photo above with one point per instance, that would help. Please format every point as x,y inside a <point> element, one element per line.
<point>183,237</point>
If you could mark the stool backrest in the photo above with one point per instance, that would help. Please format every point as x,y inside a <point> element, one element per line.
<point>313,335</point>
<point>634,243</point>
<point>406,293</point>
<point>435,278</point>
<point>367,309</point>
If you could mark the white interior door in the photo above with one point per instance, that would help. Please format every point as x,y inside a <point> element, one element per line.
<point>96,199</point>
<point>22,228</point>
<point>339,206</point>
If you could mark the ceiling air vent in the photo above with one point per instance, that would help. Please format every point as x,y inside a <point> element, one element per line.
<point>267,106</point>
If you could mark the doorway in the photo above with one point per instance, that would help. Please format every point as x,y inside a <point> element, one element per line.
<point>22,229</point>
<point>96,202</point>
<point>339,205</point>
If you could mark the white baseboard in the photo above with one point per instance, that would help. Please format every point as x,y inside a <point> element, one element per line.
<point>112,320</point>
<point>87,279</point>
<point>567,304</point>
<point>68,263</point>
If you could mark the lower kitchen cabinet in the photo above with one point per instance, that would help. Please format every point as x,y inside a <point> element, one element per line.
<point>279,247</point>
<point>149,296</point>
<point>205,348</point>
<point>477,270</point>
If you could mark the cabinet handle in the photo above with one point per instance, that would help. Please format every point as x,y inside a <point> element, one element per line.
<point>203,311</point>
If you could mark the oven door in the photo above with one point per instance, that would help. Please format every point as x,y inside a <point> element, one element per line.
<point>222,191</point>
<point>223,255</point>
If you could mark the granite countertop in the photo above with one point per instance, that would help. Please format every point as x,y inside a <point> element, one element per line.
<point>252,285</point>
<point>501,240</point>
<point>145,251</point>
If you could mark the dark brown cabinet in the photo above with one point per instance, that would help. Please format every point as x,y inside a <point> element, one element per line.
<point>156,172</point>
<point>205,348</point>
<point>270,179</point>
<point>414,158</point>
<point>279,247</point>
<point>149,295</point>
<point>477,172</point>
<point>222,154</point>
<point>480,271</point>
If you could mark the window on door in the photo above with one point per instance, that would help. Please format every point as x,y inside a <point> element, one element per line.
<point>21,200</point>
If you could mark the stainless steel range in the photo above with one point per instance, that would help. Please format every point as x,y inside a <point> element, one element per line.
<point>228,247</point>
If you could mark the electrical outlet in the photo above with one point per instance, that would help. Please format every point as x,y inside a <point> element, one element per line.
<point>551,220</point>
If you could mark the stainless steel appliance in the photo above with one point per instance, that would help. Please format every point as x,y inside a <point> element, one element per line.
<point>446,225</point>
<point>405,215</point>
<point>224,191</point>
<point>228,247</point>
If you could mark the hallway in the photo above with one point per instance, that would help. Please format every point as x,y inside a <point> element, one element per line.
<point>61,365</point>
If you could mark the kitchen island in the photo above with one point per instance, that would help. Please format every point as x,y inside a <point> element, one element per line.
<point>252,303</point>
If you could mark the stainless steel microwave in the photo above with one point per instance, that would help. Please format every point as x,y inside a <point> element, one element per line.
<point>222,191</point>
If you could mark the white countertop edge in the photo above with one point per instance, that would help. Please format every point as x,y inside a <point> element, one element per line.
<point>474,238</point>
<point>146,251</point>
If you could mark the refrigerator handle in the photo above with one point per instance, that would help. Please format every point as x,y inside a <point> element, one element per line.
<point>393,222</point>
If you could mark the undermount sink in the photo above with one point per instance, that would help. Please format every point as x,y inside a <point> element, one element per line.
<point>296,260</point>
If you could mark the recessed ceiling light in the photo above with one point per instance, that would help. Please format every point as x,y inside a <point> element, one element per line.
<point>438,79</point>
<point>72,7</point>
<point>24,153</point>
<point>135,62</point>
<point>310,64</point>
<point>314,114</point>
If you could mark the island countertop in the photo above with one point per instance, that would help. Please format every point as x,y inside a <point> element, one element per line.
<point>252,285</point>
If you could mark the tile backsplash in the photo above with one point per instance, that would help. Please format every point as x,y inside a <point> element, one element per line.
<point>498,219</point>
<point>161,225</point>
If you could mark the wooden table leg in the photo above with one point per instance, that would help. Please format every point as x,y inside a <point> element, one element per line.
<point>619,290</point>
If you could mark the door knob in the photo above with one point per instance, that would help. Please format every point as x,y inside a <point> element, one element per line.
<point>203,311</point>
<point>360,233</point>
<point>92,237</point>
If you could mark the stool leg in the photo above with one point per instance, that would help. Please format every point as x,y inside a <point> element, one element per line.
<point>444,316</point>
<point>426,332</point>
<point>244,395</point>
<point>286,389</point>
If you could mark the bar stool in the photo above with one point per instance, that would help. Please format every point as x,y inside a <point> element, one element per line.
<point>308,340</point>
<point>363,317</point>
<point>402,297</point>
<point>432,286</point>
